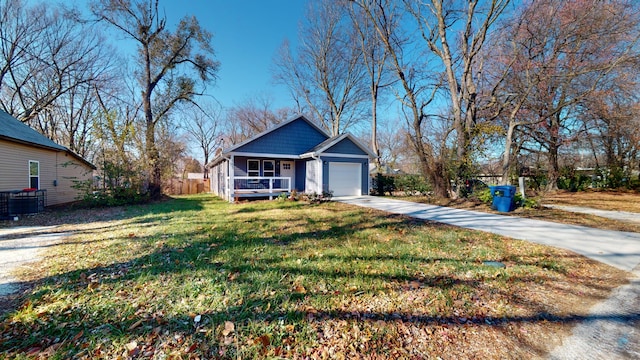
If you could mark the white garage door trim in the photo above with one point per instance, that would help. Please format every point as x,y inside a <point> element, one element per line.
<point>345,179</point>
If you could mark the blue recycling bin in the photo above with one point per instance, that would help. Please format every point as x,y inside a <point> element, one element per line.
<point>503,197</point>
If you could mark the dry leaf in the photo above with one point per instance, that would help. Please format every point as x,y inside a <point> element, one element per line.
<point>192,348</point>
<point>289,328</point>
<point>233,276</point>
<point>131,346</point>
<point>228,328</point>
<point>92,285</point>
<point>136,324</point>
<point>264,340</point>
<point>299,289</point>
<point>78,335</point>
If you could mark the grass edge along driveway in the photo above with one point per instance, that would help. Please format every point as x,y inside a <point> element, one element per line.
<point>196,277</point>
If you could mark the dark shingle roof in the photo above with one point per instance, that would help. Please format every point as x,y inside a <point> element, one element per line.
<point>13,129</point>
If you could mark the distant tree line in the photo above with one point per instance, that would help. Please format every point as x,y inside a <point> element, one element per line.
<point>436,85</point>
<point>544,79</point>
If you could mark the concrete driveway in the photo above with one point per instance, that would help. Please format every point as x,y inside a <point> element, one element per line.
<point>613,330</point>
<point>615,248</point>
<point>20,246</point>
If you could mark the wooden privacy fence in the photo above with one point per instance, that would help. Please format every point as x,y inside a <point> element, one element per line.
<point>187,186</point>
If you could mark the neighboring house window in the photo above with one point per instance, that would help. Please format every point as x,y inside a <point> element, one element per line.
<point>253,167</point>
<point>34,174</point>
<point>269,168</point>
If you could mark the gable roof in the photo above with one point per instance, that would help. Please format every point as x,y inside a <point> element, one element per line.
<point>289,138</point>
<point>275,128</point>
<point>12,129</point>
<point>323,142</point>
<point>327,144</point>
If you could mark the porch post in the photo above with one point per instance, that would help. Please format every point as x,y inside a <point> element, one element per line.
<point>231,180</point>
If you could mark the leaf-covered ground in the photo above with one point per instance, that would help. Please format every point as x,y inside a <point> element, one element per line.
<point>196,277</point>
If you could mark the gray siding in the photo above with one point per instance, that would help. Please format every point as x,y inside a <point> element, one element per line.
<point>240,166</point>
<point>364,168</point>
<point>295,138</point>
<point>346,146</point>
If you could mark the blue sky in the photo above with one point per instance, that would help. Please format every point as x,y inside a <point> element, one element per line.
<point>247,34</point>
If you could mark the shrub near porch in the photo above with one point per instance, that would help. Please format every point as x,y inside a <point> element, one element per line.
<point>198,277</point>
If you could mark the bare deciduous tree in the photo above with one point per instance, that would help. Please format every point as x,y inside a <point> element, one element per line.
<point>252,117</point>
<point>455,32</point>
<point>374,57</point>
<point>50,65</point>
<point>557,54</point>
<point>203,124</point>
<point>416,86</point>
<point>164,59</point>
<point>325,72</point>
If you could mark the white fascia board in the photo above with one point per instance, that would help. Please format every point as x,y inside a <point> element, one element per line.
<point>265,155</point>
<point>343,156</point>
<point>335,140</point>
<point>327,146</point>
<point>362,146</point>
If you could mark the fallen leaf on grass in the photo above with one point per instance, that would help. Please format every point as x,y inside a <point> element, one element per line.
<point>132,235</point>
<point>228,328</point>
<point>191,348</point>
<point>233,276</point>
<point>289,328</point>
<point>299,289</point>
<point>78,336</point>
<point>132,348</point>
<point>136,324</point>
<point>93,285</point>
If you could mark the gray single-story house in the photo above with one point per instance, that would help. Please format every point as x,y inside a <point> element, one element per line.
<point>30,162</point>
<point>294,155</point>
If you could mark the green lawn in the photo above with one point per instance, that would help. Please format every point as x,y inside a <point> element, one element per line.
<point>196,277</point>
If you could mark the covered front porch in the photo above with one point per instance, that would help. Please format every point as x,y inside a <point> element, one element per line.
<point>260,186</point>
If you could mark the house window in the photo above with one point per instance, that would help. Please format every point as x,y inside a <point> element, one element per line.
<point>286,166</point>
<point>269,168</point>
<point>253,167</point>
<point>34,174</point>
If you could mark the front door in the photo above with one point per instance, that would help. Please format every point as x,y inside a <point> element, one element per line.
<point>287,169</point>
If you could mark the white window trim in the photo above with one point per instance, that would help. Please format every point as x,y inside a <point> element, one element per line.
<point>29,172</point>
<point>264,171</point>
<point>253,160</point>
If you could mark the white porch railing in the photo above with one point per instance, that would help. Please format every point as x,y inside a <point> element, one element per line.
<point>243,185</point>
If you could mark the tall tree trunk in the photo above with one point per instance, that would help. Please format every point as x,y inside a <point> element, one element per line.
<point>374,127</point>
<point>506,157</point>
